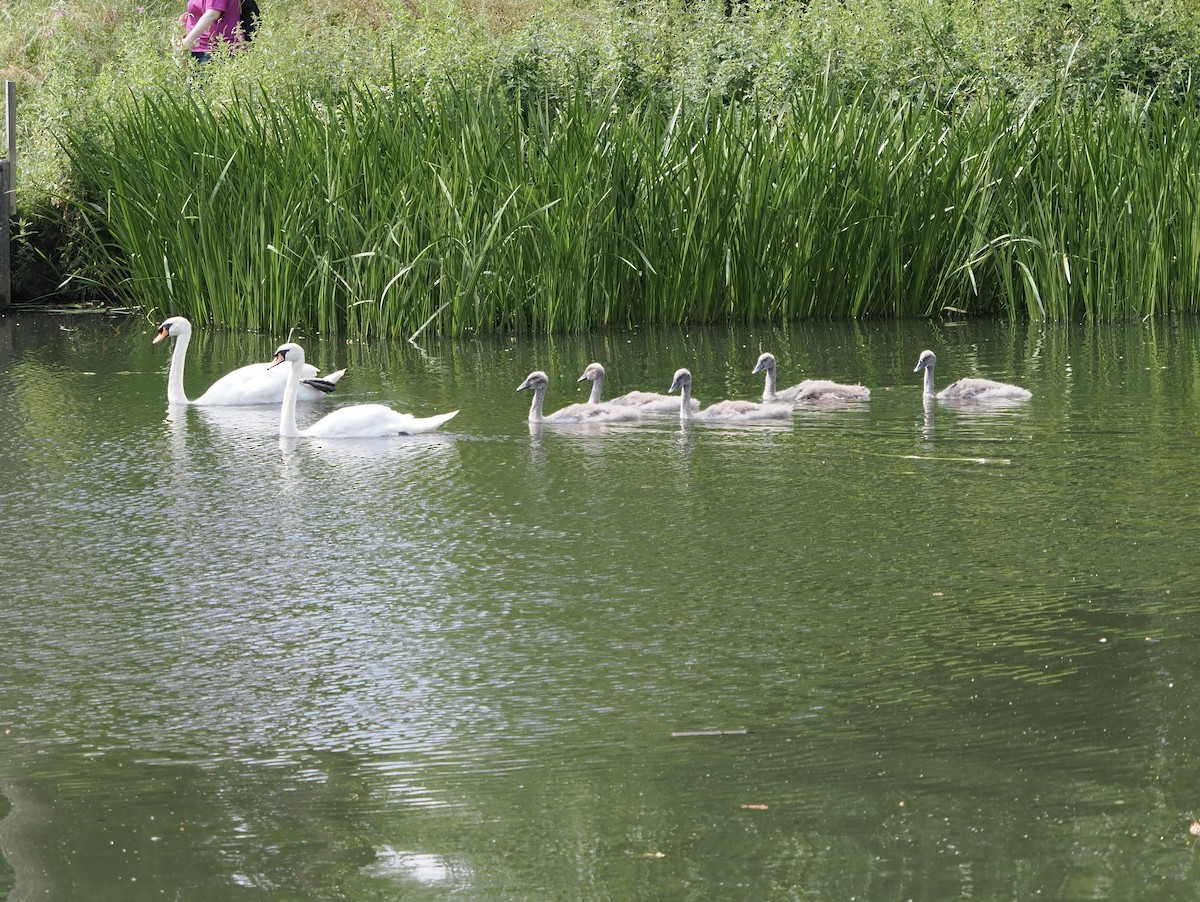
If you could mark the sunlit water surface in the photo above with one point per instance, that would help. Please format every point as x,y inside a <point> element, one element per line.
<point>889,651</point>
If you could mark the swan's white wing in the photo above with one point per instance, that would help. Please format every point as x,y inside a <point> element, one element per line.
<point>604,412</point>
<point>787,394</point>
<point>259,383</point>
<point>825,390</point>
<point>251,384</point>
<point>745,412</point>
<point>651,402</point>
<point>373,421</point>
<point>983,390</point>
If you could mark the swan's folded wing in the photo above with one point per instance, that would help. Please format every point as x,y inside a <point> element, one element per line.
<point>373,421</point>
<point>825,390</point>
<point>604,412</point>
<point>254,383</point>
<point>651,402</point>
<point>969,389</point>
<point>745,412</point>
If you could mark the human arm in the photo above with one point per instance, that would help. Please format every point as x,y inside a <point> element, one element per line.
<point>203,24</point>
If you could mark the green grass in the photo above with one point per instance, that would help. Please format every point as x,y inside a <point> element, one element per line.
<point>450,209</point>
<point>555,166</point>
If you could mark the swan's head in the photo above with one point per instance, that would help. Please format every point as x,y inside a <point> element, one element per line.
<point>535,380</point>
<point>927,359</point>
<point>593,372</point>
<point>172,328</point>
<point>288,353</point>
<point>683,378</point>
<point>765,362</point>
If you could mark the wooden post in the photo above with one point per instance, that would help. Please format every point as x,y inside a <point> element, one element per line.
<point>8,192</point>
<point>10,129</point>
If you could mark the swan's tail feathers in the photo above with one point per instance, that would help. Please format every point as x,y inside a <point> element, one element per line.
<point>441,419</point>
<point>427,424</point>
<point>325,383</point>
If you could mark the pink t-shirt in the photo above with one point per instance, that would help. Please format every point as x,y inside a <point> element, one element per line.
<point>226,27</point>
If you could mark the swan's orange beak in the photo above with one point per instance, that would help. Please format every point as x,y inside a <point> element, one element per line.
<point>163,332</point>
<point>276,360</point>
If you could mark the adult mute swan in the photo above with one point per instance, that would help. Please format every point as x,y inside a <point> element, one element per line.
<point>646,401</point>
<point>809,389</point>
<point>725,411</point>
<point>968,389</point>
<point>254,383</point>
<point>572,413</point>
<point>355,421</point>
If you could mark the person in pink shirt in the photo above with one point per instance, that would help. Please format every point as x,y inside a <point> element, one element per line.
<point>209,24</point>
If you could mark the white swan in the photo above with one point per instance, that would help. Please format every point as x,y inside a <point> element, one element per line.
<point>355,421</point>
<point>726,411</point>
<point>809,389</point>
<point>572,413</point>
<point>968,389</point>
<point>647,401</point>
<point>254,383</point>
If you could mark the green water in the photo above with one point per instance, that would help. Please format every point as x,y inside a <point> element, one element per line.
<point>954,649</point>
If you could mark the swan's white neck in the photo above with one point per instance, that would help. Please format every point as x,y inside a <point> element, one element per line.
<point>929,389</point>
<point>769,387</point>
<point>597,384</point>
<point>685,400</point>
<point>535,408</point>
<point>175,393</point>
<point>291,391</point>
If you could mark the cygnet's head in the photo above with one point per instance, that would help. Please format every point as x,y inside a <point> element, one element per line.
<point>927,359</point>
<point>593,372</point>
<point>682,378</point>
<point>536,379</point>
<point>766,361</point>
<point>290,352</point>
<point>172,328</point>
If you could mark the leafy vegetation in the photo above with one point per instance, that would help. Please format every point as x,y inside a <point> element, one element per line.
<point>372,170</point>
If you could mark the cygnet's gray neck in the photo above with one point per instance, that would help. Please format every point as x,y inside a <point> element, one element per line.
<point>769,388</point>
<point>535,407</point>
<point>597,384</point>
<point>929,390</point>
<point>685,400</point>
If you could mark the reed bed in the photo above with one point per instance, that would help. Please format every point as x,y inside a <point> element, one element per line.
<point>454,208</point>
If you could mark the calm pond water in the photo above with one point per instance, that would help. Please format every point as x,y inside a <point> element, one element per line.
<point>953,651</point>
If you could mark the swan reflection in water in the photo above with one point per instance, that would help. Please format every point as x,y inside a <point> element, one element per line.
<point>418,867</point>
<point>929,406</point>
<point>592,438</point>
<point>359,465</point>
<point>973,423</point>
<point>350,452</point>
<point>177,440</point>
<point>245,421</point>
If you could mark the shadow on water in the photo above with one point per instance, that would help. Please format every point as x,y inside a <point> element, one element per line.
<point>930,650</point>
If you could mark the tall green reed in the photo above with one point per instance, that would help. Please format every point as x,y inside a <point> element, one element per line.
<point>457,208</point>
